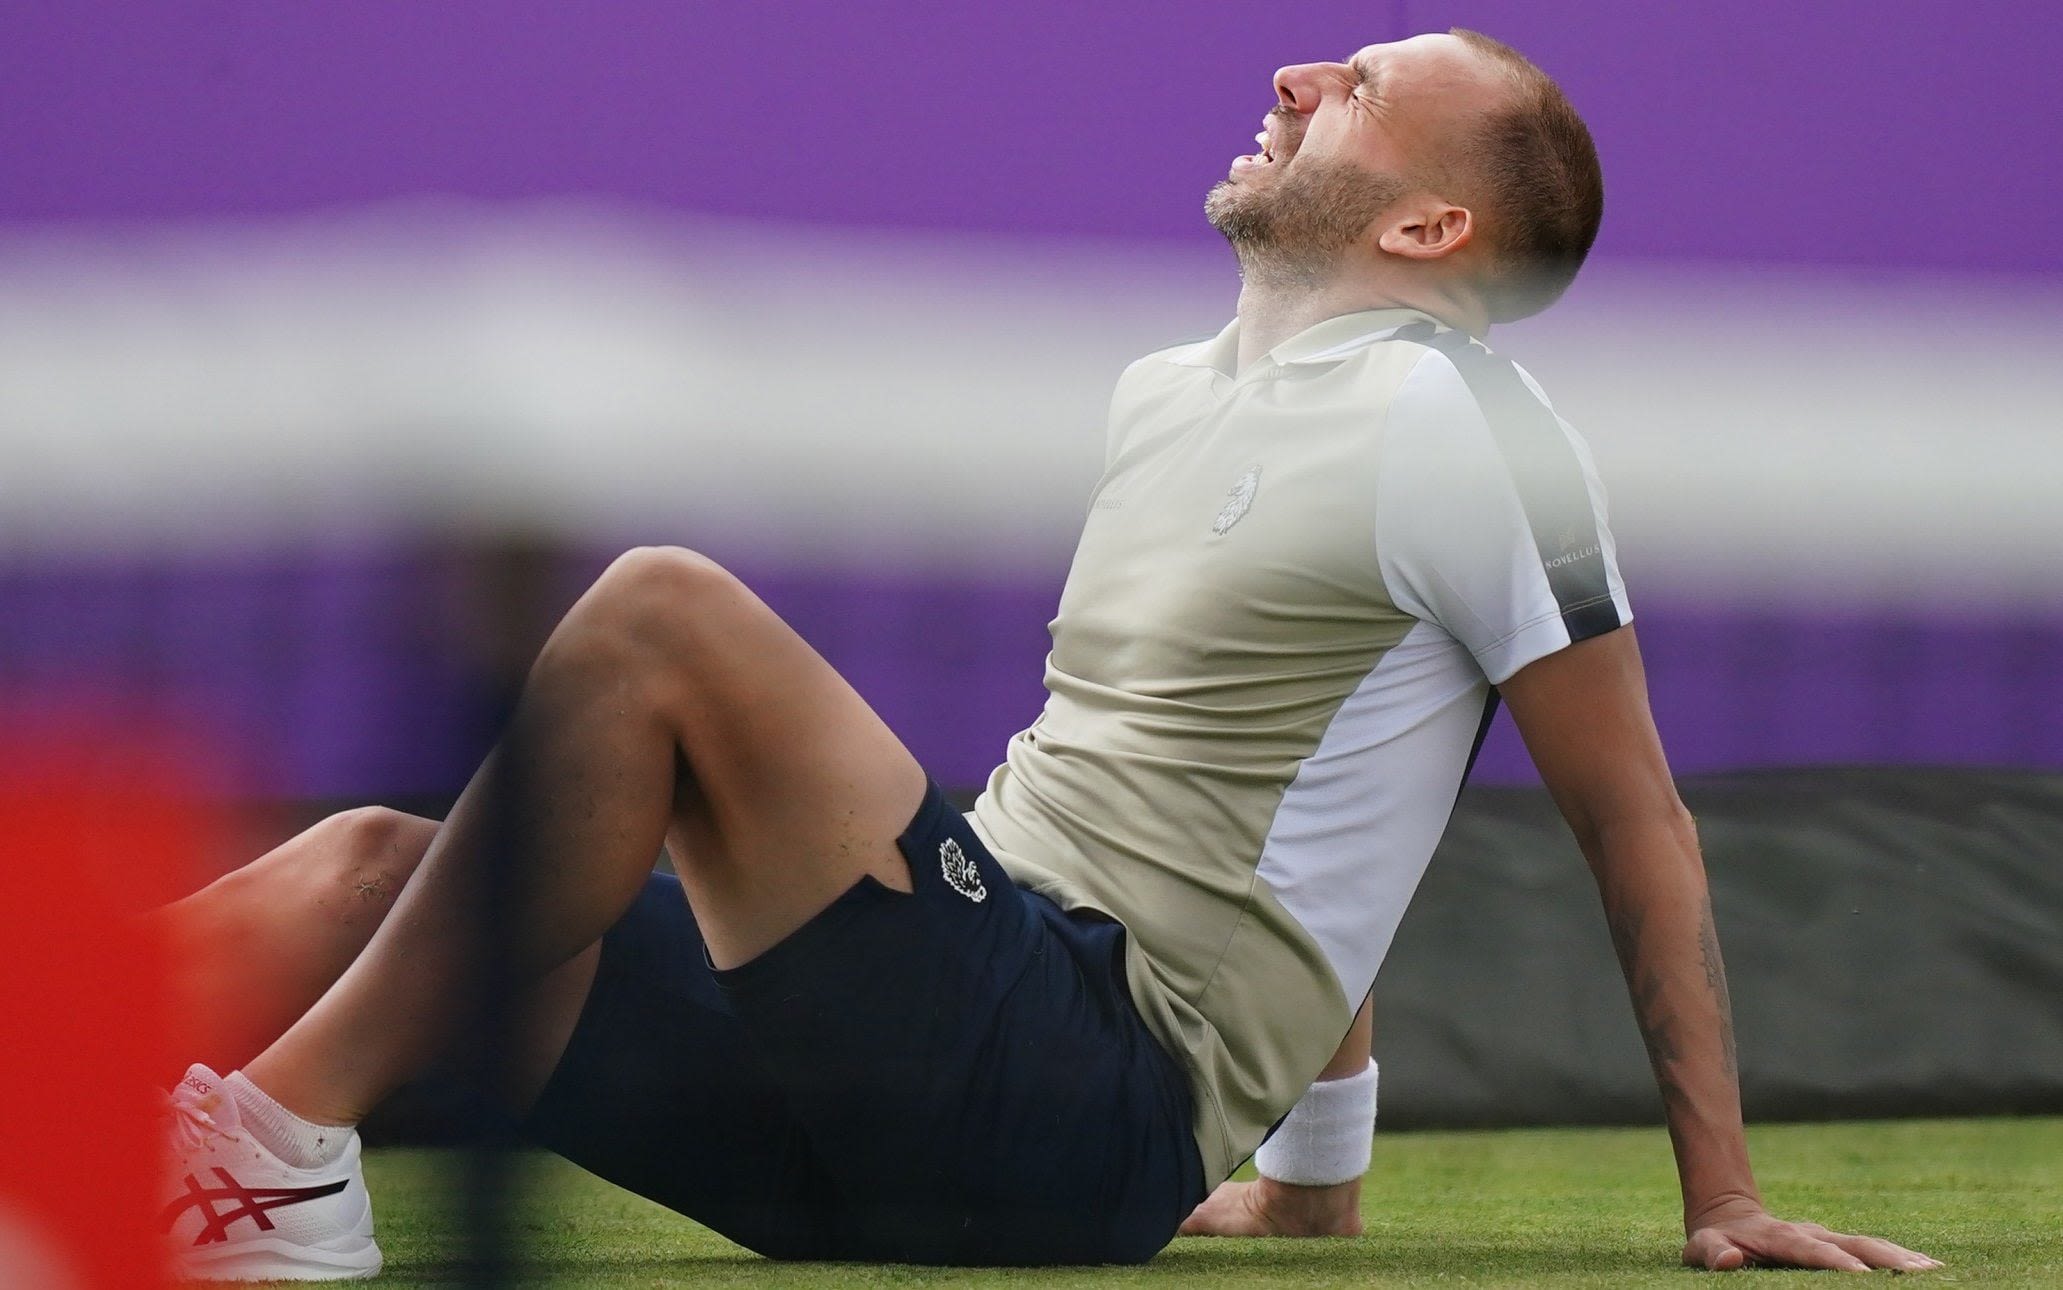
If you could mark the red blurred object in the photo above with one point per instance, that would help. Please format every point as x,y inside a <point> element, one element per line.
<point>94,827</point>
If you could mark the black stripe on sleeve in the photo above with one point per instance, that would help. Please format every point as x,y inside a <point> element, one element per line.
<point>1549,478</point>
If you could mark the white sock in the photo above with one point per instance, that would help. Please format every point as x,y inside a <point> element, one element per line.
<point>296,1141</point>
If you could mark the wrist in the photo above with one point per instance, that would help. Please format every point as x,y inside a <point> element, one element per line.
<point>1289,1209</point>
<point>1712,1165</point>
<point>1327,1136</point>
<point>1720,1208</point>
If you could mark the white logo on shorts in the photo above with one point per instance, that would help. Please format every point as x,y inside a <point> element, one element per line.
<point>961,875</point>
<point>1238,499</point>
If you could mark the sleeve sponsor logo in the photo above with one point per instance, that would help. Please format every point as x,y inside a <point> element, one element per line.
<point>1571,557</point>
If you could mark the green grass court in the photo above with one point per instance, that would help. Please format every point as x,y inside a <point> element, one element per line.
<point>1568,1207</point>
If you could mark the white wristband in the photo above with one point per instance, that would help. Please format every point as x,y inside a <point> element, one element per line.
<point>1327,1136</point>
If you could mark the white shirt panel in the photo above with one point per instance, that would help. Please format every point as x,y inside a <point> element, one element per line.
<point>1359,822</point>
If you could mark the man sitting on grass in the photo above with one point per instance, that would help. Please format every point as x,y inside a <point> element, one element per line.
<point>863,1026</point>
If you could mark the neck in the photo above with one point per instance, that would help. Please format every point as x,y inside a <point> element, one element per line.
<point>1275,307</point>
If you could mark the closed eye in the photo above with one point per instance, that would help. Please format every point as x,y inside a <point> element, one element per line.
<point>1371,80</point>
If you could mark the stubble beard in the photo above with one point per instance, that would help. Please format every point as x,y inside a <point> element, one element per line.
<point>1295,230</point>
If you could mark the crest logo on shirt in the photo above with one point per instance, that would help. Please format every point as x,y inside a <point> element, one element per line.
<point>1238,500</point>
<point>961,875</point>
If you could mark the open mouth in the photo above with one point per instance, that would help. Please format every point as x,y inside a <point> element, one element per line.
<point>1254,160</point>
<point>1275,145</point>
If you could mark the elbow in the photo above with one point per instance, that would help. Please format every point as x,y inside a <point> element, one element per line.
<point>1662,825</point>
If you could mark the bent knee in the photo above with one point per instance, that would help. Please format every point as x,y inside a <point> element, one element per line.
<point>353,860</point>
<point>377,834</point>
<point>369,853</point>
<point>661,596</point>
<point>665,573</point>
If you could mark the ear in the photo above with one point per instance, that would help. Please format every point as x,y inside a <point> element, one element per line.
<point>1428,230</point>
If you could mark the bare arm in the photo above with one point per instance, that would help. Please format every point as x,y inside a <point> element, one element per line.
<point>1584,714</point>
<point>1269,1207</point>
<point>1353,1051</point>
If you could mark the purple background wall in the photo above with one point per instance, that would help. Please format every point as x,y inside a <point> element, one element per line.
<point>1866,132</point>
<point>1892,134</point>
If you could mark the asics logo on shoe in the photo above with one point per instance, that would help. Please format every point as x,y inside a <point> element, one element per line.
<point>242,1202</point>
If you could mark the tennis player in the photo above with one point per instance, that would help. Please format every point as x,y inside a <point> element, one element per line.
<point>861,1025</point>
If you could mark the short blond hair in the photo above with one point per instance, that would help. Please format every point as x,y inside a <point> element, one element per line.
<point>1541,182</point>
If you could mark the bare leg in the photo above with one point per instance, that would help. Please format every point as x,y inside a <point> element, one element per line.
<point>670,699</point>
<point>257,947</point>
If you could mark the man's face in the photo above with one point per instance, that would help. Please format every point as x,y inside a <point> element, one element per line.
<point>1344,142</point>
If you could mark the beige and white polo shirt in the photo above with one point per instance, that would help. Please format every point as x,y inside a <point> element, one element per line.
<point>1271,666</point>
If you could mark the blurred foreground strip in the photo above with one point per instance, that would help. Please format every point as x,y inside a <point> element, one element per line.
<point>92,829</point>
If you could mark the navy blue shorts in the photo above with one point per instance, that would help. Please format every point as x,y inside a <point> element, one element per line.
<point>956,1075</point>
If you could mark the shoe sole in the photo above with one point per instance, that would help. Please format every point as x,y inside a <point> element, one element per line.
<point>271,1259</point>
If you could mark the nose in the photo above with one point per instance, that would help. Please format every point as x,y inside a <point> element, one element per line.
<point>1300,87</point>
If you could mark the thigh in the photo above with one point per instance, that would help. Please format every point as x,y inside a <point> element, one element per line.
<point>970,1071</point>
<point>658,1091</point>
<point>794,788</point>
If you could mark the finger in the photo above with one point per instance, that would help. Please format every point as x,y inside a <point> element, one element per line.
<point>1792,1245</point>
<point>1225,1212</point>
<point>1207,1219</point>
<point>1710,1250</point>
<point>1880,1253</point>
<point>1202,1219</point>
<point>1810,1252</point>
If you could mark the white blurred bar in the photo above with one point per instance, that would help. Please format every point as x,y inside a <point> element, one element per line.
<point>941,401</point>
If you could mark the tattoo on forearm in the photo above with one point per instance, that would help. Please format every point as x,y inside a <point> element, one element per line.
<point>1660,1026</point>
<point>1651,1010</point>
<point>1715,977</point>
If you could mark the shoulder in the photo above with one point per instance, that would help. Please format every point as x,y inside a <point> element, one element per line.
<point>1169,368</point>
<point>1182,356</point>
<point>1150,382</point>
<point>1455,374</point>
<point>1435,426</point>
<point>1190,350</point>
<point>1433,389</point>
<point>1461,398</point>
<point>1169,365</point>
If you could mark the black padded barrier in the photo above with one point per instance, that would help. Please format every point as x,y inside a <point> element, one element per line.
<point>1893,937</point>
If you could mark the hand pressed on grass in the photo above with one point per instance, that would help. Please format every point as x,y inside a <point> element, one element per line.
<point>1749,1236</point>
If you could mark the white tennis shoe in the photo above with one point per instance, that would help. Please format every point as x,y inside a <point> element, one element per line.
<point>236,1212</point>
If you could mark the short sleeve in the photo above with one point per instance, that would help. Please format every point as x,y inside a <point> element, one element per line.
<point>1490,518</point>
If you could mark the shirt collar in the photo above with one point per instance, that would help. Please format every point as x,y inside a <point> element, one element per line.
<point>1325,342</point>
<point>1220,351</point>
